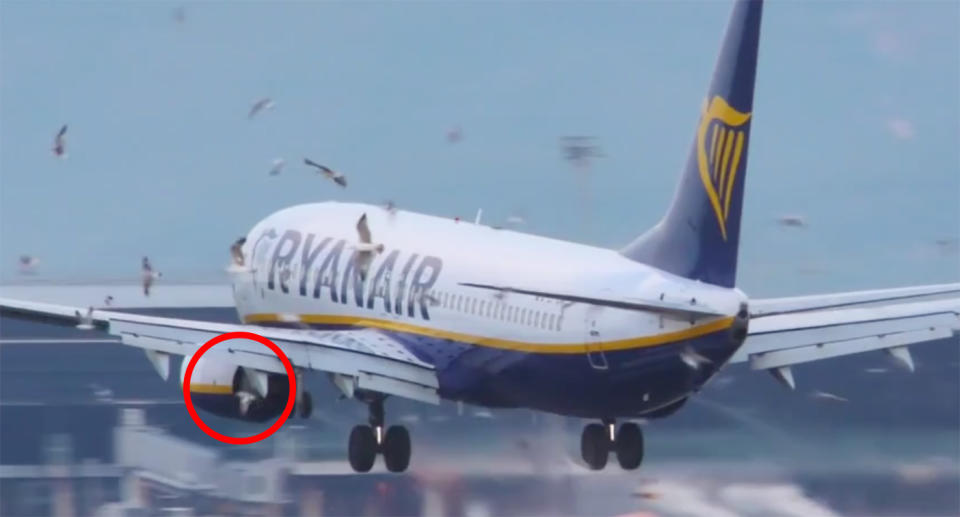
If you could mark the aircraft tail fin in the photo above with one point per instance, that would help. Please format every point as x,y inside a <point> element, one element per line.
<point>699,236</point>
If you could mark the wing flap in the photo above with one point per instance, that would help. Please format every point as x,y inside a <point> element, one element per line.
<point>778,341</point>
<point>787,331</point>
<point>817,352</point>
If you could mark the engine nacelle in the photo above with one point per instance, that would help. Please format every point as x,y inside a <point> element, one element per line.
<point>223,389</point>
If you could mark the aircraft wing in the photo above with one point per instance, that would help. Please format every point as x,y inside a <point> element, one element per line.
<point>357,359</point>
<point>785,332</point>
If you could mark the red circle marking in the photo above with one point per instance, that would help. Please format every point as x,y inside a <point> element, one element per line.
<point>291,377</point>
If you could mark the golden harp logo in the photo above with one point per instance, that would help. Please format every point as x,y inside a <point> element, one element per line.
<point>719,148</point>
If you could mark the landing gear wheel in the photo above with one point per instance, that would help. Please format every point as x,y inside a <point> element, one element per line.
<point>595,446</point>
<point>629,446</point>
<point>362,450</point>
<point>396,448</point>
<point>305,407</point>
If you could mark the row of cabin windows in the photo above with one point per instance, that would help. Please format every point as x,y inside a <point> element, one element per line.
<point>497,310</point>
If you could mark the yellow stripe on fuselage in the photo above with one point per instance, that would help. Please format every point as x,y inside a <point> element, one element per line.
<point>519,346</point>
<point>211,389</point>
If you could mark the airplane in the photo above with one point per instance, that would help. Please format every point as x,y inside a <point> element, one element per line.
<point>403,304</point>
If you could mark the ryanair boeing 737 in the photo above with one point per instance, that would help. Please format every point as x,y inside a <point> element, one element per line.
<point>402,304</point>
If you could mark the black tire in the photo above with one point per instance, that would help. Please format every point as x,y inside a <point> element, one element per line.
<point>595,446</point>
<point>362,449</point>
<point>629,446</point>
<point>305,407</point>
<point>396,448</point>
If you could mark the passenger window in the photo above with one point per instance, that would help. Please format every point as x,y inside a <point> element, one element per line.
<point>551,321</point>
<point>473,306</point>
<point>482,307</point>
<point>523,316</point>
<point>459,302</point>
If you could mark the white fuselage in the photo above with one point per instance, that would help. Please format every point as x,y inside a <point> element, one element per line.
<point>299,269</point>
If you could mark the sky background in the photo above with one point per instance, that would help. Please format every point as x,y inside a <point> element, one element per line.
<point>856,127</point>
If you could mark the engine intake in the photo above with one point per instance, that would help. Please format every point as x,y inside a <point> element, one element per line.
<point>222,388</point>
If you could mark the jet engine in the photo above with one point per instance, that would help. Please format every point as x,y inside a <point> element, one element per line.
<point>225,389</point>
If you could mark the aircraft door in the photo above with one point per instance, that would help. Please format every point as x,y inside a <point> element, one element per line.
<point>593,337</point>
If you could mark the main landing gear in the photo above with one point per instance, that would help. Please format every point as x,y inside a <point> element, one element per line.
<point>598,440</point>
<point>368,440</point>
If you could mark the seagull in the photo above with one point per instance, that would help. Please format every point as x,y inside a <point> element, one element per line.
<point>390,207</point>
<point>454,135</point>
<point>827,396</point>
<point>28,264</point>
<point>85,322</point>
<point>693,359</point>
<point>236,251</point>
<point>148,275</point>
<point>265,103</point>
<point>60,143</point>
<point>277,166</point>
<point>108,300</point>
<point>337,177</point>
<point>246,399</point>
<point>797,221</point>
<point>102,393</point>
<point>366,249</point>
<point>179,14</point>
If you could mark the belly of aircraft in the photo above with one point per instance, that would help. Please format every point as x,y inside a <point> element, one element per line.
<point>617,384</point>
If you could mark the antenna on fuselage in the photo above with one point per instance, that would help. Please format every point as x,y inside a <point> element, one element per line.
<point>479,213</point>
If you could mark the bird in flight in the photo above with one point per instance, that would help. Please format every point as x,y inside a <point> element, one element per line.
<point>693,359</point>
<point>148,275</point>
<point>454,135</point>
<point>277,166</point>
<point>84,321</point>
<point>335,176</point>
<point>797,221</point>
<point>60,143</point>
<point>236,251</point>
<point>366,249</point>
<point>823,395</point>
<point>28,264</point>
<point>265,103</point>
